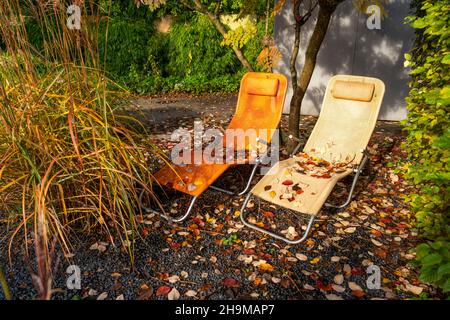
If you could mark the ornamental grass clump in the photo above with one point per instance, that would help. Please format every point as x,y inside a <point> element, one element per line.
<point>68,162</point>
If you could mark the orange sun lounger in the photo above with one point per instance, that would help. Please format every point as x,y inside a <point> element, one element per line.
<point>347,119</point>
<point>259,107</point>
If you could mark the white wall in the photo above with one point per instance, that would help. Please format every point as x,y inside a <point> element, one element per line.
<point>351,48</point>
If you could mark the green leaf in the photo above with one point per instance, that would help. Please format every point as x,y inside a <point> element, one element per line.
<point>444,269</point>
<point>419,24</point>
<point>422,250</point>
<point>431,259</point>
<point>446,59</point>
<point>446,286</point>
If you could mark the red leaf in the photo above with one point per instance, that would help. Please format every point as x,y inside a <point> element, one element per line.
<point>249,251</point>
<point>358,293</point>
<point>269,214</point>
<point>175,245</point>
<point>385,220</point>
<point>230,282</point>
<point>376,233</point>
<point>163,291</point>
<point>325,287</point>
<point>357,271</point>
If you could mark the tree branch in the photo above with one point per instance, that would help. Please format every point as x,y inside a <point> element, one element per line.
<point>217,8</point>
<point>296,48</point>
<point>215,20</point>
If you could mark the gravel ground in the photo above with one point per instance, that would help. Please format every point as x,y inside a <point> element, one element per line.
<point>212,256</point>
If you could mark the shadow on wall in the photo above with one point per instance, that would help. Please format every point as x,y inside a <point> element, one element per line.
<point>351,48</point>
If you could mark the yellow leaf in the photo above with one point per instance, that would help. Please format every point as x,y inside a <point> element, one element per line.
<point>260,224</point>
<point>315,260</point>
<point>266,267</point>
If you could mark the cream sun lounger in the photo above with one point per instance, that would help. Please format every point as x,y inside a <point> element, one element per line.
<point>347,119</point>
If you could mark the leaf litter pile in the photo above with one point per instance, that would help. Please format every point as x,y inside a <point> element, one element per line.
<point>213,256</point>
<point>290,189</point>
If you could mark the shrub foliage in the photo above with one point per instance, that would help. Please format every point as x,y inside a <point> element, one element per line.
<point>428,138</point>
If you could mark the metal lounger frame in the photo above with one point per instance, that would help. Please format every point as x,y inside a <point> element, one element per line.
<point>357,173</point>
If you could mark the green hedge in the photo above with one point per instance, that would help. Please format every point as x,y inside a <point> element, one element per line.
<point>428,138</point>
<point>190,58</point>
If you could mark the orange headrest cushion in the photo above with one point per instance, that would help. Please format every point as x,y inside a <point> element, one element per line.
<point>262,86</point>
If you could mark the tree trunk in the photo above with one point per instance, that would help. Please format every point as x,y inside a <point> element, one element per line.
<point>293,69</point>
<point>215,20</point>
<point>320,30</point>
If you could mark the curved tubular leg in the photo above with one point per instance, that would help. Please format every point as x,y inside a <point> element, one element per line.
<point>352,189</point>
<point>272,234</point>
<point>249,183</point>
<point>170,219</point>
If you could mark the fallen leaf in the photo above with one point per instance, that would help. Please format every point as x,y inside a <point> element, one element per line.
<point>230,282</point>
<point>174,294</point>
<point>315,260</point>
<point>145,292</point>
<point>338,288</point>
<point>358,293</point>
<point>266,267</point>
<point>335,259</point>
<point>339,279</point>
<point>377,243</point>
<point>102,296</point>
<point>354,287</point>
<point>269,214</point>
<point>290,233</point>
<point>301,257</point>
<point>173,279</point>
<point>357,271</point>
<point>333,297</point>
<point>163,290</point>
<point>190,293</point>
<point>350,230</point>
<point>347,270</point>
<point>414,289</point>
<point>325,287</point>
<point>276,280</point>
<point>308,287</point>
